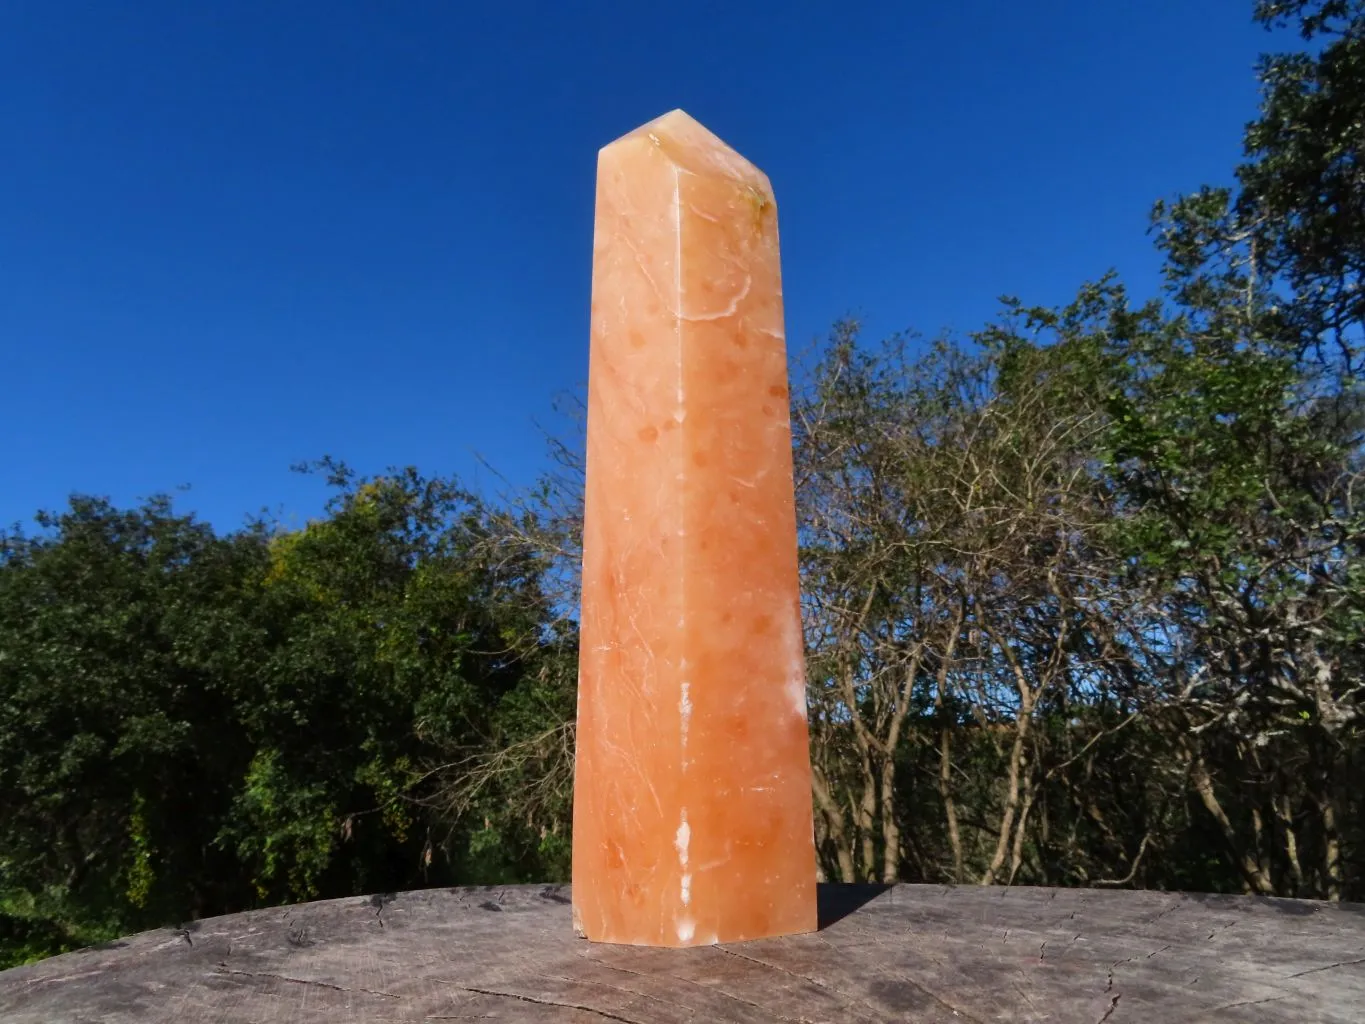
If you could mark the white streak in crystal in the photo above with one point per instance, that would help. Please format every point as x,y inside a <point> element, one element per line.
<point>796,660</point>
<point>686,929</point>
<point>703,214</point>
<point>729,310</point>
<point>685,710</point>
<point>640,263</point>
<point>683,839</point>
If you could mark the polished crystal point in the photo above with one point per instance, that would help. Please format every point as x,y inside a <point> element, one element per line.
<point>692,793</point>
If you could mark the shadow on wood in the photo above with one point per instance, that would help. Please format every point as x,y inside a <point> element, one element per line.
<point>836,901</point>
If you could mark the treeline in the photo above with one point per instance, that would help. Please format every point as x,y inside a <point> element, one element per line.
<point>193,723</point>
<point>1084,602</point>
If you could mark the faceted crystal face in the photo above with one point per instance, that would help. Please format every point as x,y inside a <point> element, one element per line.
<point>692,803</point>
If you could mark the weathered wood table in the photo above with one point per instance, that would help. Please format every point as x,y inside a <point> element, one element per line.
<point>907,953</point>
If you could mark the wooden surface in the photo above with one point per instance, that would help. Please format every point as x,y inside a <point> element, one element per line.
<point>908,953</point>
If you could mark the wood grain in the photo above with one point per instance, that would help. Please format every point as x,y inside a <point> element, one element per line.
<point>904,953</point>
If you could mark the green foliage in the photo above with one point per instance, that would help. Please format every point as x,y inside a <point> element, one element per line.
<point>32,927</point>
<point>1115,513</point>
<point>192,724</point>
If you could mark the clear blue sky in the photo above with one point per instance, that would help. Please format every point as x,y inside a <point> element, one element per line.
<point>238,235</point>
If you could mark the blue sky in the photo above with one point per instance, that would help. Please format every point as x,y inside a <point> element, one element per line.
<point>234,236</point>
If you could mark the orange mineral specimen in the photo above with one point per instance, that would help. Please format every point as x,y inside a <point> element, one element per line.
<point>692,794</point>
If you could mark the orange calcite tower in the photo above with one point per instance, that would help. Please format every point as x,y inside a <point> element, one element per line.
<point>692,796</point>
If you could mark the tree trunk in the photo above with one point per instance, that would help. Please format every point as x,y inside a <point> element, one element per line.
<point>866,819</point>
<point>1023,718</point>
<point>1291,842</point>
<point>945,788</point>
<point>891,832</point>
<point>1331,848</point>
<point>1017,851</point>
<point>1002,839</point>
<point>834,826</point>
<point>1254,874</point>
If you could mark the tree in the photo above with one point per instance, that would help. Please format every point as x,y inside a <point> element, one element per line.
<point>194,724</point>
<point>121,635</point>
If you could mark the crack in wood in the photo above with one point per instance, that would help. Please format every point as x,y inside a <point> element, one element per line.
<point>1109,985</point>
<point>1215,931</point>
<point>1328,967</point>
<point>1169,910</point>
<point>1250,1002</point>
<point>1113,1005</point>
<point>710,989</point>
<point>955,1010</point>
<point>617,988</point>
<point>604,1014</point>
<point>1025,996</point>
<point>379,901</point>
<point>639,974</point>
<point>302,981</point>
<point>842,996</point>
